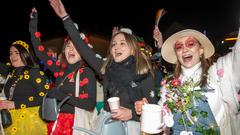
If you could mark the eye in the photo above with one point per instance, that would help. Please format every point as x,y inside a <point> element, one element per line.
<point>190,44</point>
<point>178,46</point>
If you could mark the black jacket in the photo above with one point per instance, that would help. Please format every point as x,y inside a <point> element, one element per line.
<point>31,85</point>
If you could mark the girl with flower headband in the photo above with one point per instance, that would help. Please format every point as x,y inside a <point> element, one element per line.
<point>24,89</point>
<point>204,99</point>
<point>126,73</point>
<point>67,72</point>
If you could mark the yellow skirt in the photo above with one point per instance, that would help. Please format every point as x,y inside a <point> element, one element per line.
<point>26,122</point>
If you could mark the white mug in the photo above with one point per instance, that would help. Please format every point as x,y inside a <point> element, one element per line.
<point>151,119</point>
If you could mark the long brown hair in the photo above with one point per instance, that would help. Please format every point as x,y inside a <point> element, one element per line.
<point>143,65</point>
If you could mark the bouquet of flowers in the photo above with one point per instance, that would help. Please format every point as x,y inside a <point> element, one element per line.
<point>182,97</point>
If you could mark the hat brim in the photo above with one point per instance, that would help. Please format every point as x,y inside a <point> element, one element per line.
<point>168,52</point>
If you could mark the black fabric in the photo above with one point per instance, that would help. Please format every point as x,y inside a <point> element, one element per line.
<point>28,92</point>
<point>6,118</point>
<point>120,76</point>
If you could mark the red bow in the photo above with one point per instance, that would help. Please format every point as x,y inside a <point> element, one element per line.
<point>83,82</point>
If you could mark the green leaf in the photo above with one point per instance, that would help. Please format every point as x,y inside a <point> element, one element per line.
<point>204,114</point>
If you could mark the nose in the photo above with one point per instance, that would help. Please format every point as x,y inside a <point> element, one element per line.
<point>185,49</point>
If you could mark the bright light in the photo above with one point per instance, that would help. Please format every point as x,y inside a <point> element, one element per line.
<point>230,39</point>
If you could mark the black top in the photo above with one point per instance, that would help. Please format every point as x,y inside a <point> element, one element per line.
<point>30,85</point>
<point>87,84</point>
<point>120,78</point>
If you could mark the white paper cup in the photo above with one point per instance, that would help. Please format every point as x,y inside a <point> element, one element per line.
<point>151,121</point>
<point>114,103</point>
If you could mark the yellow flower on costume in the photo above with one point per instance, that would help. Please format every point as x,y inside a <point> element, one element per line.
<point>23,106</point>
<point>26,77</point>
<point>30,98</point>
<point>21,77</point>
<point>41,73</point>
<point>38,80</point>
<point>35,113</point>
<point>41,94</point>
<point>14,129</point>
<point>22,116</point>
<point>46,86</point>
<point>26,72</point>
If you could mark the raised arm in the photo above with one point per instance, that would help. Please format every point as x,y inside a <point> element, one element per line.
<point>87,54</point>
<point>157,35</point>
<point>39,49</point>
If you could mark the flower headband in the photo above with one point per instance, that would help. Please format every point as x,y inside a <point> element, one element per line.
<point>22,43</point>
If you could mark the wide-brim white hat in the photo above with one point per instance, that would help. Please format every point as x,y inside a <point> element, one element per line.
<point>168,52</point>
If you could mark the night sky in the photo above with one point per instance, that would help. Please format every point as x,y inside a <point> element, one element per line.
<point>93,16</point>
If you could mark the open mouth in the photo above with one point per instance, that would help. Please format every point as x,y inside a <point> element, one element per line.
<point>187,58</point>
<point>117,54</point>
<point>71,55</point>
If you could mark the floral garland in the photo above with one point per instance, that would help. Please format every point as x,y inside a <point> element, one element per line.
<point>180,97</point>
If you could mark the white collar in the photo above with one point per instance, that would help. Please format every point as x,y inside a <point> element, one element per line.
<point>191,73</point>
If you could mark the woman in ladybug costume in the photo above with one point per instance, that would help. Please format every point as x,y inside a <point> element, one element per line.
<point>74,63</point>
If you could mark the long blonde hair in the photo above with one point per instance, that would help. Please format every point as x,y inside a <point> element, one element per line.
<point>143,65</point>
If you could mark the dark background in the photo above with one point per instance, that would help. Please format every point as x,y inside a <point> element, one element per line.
<point>217,18</point>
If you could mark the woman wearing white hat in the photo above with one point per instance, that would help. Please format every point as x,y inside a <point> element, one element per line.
<point>218,84</point>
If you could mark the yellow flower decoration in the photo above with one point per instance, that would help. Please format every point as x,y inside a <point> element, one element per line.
<point>41,73</point>
<point>30,98</point>
<point>22,116</point>
<point>35,113</point>
<point>14,129</point>
<point>23,106</point>
<point>41,94</point>
<point>46,86</point>
<point>22,43</point>
<point>26,72</point>
<point>26,77</point>
<point>21,77</point>
<point>38,80</point>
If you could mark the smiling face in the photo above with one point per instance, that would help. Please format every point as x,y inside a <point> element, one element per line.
<point>188,51</point>
<point>71,54</point>
<point>120,49</point>
<point>15,58</point>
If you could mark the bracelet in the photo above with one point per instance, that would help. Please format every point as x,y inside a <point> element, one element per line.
<point>65,17</point>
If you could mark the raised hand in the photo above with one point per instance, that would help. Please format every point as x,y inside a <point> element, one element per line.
<point>157,35</point>
<point>58,7</point>
<point>33,21</point>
